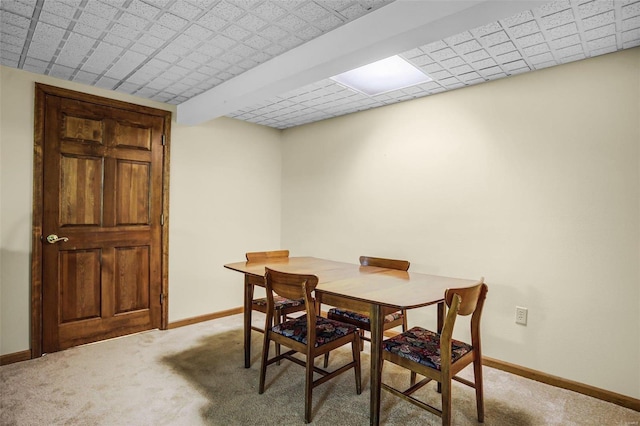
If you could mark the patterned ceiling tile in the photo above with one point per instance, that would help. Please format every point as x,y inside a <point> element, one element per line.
<point>631,38</point>
<point>41,52</point>
<point>35,65</point>
<point>172,50</point>
<point>630,10</point>
<point>161,32</point>
<point>131,21</point>
<point>55,20</point>
<point>19,8</point>
<point>103,55</point>
<point>524,29</point>
<point>101,9</point>
<point>143,10</point>
<point>599,20</point>
<point>564,38</point>
<point>185,9</point>
<point>592,8</point>
<point>172,21</point>
<point>106,83</point>
<point>61,71</point>
<point>85,77</point>
<point>75,49</point>
<point>96,22</point>
<point>251,22</point>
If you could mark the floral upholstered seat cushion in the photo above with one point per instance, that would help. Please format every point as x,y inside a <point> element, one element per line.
<point>327,330</point>
<point>280,302</point>
<point>423,346</point>
<point>360,317</point>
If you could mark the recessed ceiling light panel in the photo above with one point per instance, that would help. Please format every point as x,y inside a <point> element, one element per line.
<point>383,76</point>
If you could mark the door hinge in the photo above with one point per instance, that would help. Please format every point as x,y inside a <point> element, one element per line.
<point>162,298</point>
<point>162,219</point>
<point>164,140</point>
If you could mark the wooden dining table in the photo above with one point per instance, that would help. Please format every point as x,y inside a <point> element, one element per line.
<point>379,291</point>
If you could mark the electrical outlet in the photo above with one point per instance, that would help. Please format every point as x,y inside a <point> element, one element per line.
<point>521,315</point>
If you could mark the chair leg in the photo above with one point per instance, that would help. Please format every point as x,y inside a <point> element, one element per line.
<point>446,402</point>
<point>361,345</point>
<point>477,372</point>
<point>265,358</point>
<point>276,320</point>
<point>355,345</point>
<point>413,378</point>
<point>308,390</point>
<point>404,328</point>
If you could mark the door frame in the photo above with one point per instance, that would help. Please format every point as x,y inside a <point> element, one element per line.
<point>41,92</point>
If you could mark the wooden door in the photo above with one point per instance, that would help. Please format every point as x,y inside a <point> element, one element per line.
<point>102,218</point>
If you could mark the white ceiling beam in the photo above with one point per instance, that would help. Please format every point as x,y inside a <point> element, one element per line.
<point>392,29</point>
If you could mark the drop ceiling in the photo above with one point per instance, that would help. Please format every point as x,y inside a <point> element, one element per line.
<point>269,61</point>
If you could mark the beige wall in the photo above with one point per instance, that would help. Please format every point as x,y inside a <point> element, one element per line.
<point>225,199</point>
<point>531,181</point>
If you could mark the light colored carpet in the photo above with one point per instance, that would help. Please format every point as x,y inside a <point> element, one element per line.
<point>194,376</point>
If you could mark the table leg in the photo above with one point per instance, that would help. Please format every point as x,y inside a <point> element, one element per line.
<point>376,363</point>
<point>248,297</point>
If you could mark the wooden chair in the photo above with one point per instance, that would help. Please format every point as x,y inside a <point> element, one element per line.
<point>283,306</point>
<point>361,319</point>
<point>310,334</point>
<point>438,356</point>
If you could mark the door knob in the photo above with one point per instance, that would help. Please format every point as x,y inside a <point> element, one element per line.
<point>53,238</point>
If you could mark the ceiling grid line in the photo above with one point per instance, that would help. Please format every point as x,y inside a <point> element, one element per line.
<point>150,56</point>
<point>160,49</point>
<point>514,39</point>
<point>32,27</point>
<point>583,40</point>
<point>65,38</point>
<point>225,27</point>
<point>95,46</point>
<point>547,36</point>
<point>618,23</point>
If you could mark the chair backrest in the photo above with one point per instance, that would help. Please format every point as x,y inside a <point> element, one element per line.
<point>471,297</point>
<point>258,256</point>
<point>290,286</point>
<point>402,265</point>
<point>462,301</point>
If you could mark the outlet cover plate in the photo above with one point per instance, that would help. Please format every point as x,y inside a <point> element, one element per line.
<point>521,315</point>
